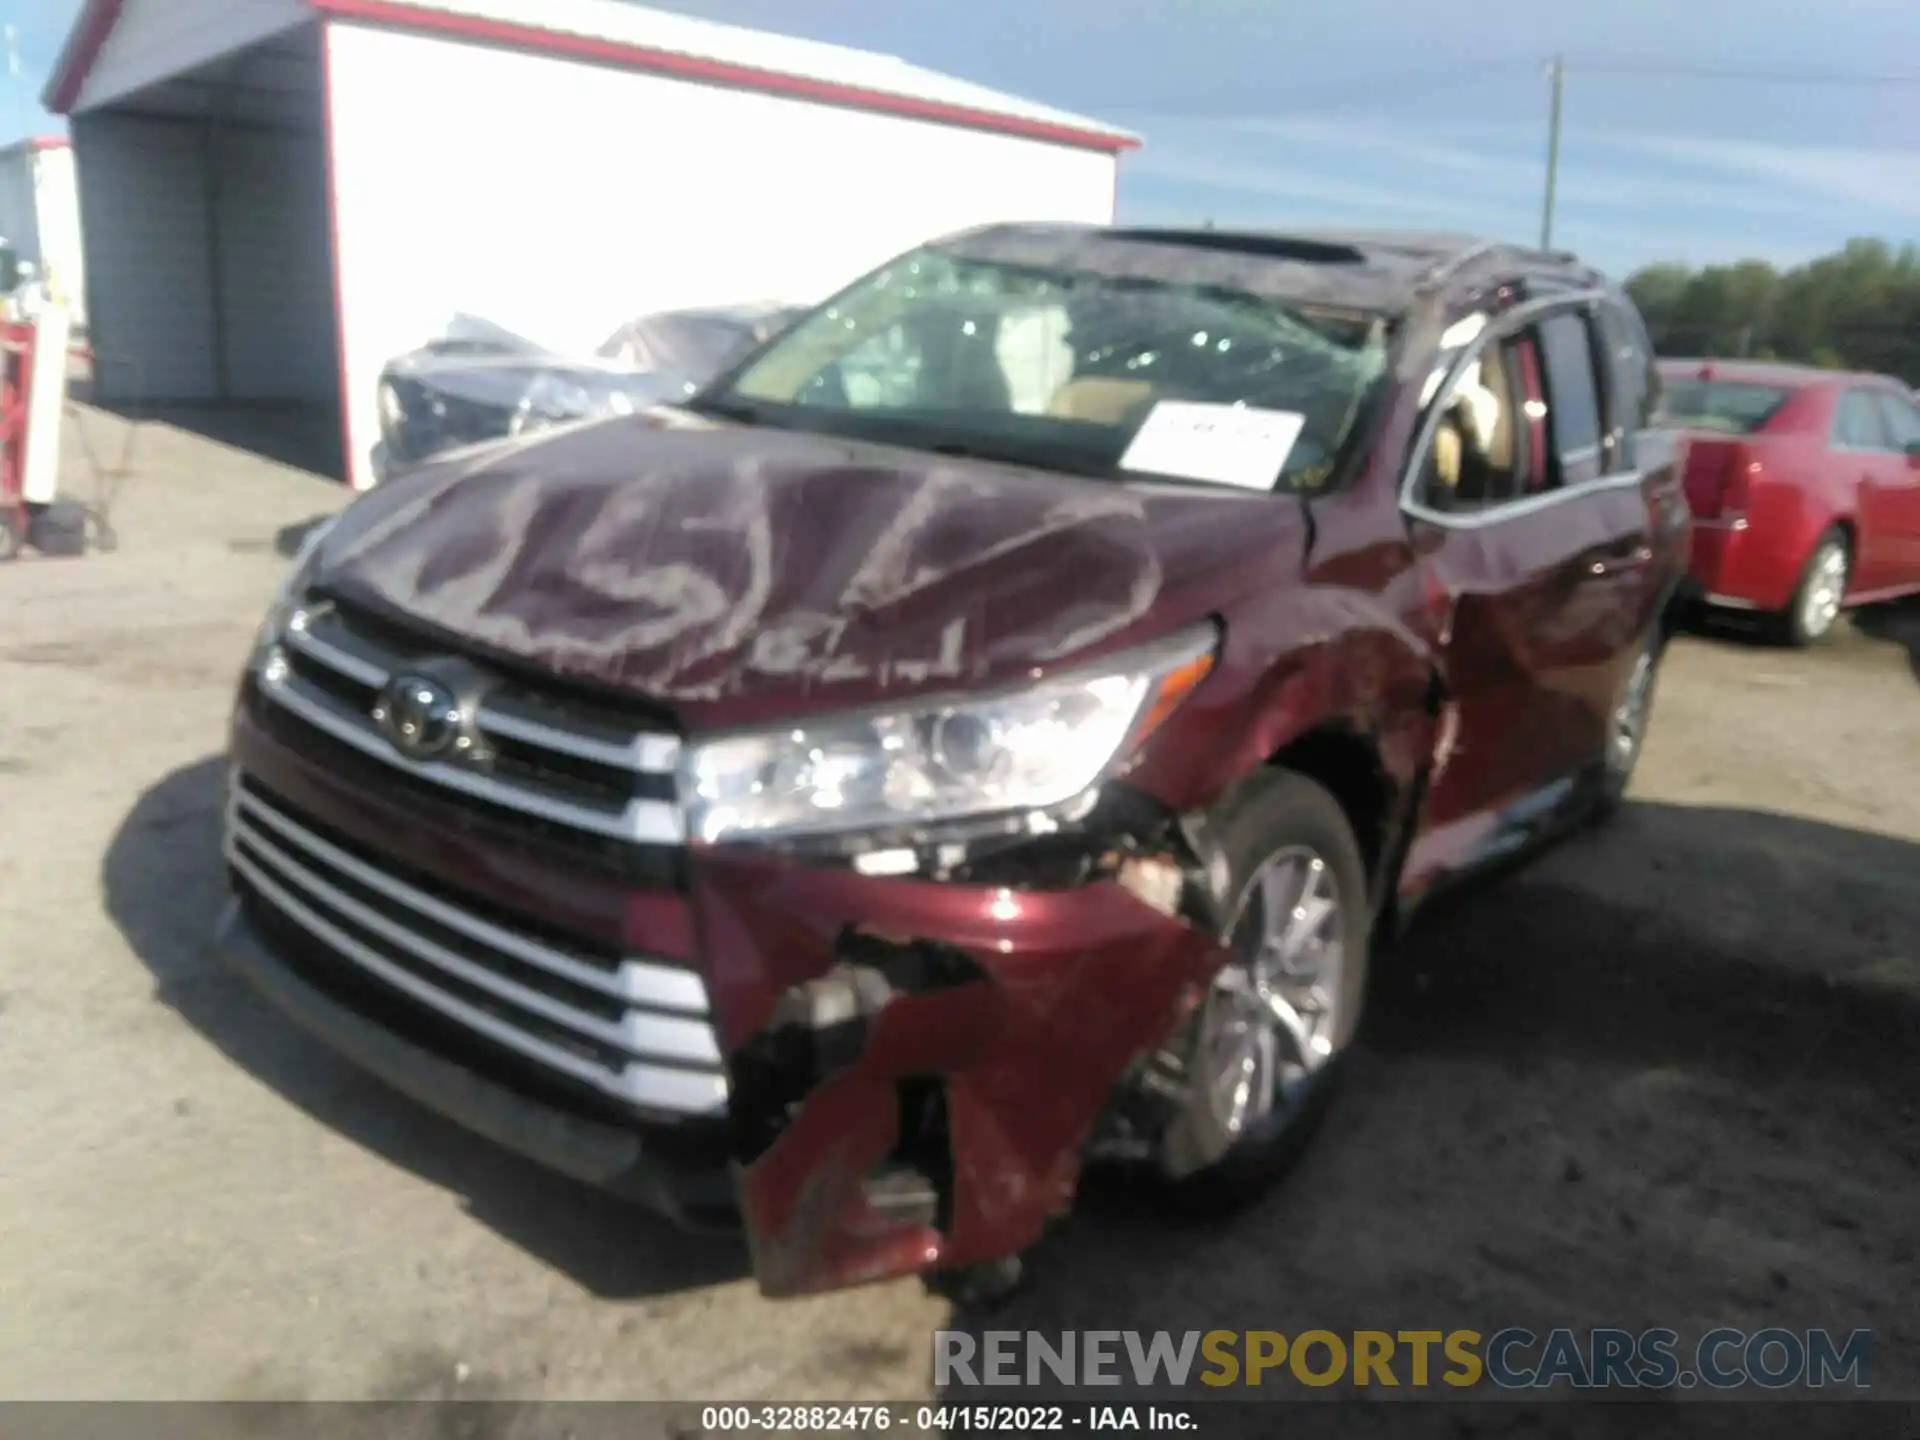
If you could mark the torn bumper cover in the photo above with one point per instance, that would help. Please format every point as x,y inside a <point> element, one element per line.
<point>917,1065</point>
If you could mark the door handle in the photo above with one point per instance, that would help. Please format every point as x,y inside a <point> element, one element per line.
<point>1617,561</point>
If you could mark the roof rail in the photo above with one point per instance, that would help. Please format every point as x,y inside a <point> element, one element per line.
<point>1457,262</point>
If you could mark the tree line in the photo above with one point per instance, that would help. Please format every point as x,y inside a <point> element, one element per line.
<point>1856,309</point>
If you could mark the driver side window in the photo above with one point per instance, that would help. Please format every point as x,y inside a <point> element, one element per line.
<point>1477,457</point>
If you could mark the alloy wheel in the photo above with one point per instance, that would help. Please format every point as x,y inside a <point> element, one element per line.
<point>1627,726</point>
<point>1826,588</point>
<point>1271,1019</point>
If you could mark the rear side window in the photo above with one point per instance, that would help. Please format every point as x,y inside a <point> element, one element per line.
<point>1902,418</point>
<point>1730,407</point>
<point>1857,423</point>
<point>1573,397</point>
<point>1635,379</point>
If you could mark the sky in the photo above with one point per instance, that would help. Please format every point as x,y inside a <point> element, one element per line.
<point>1391,113</point>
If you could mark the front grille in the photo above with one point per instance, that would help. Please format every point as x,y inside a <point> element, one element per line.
<point>572,768</point>
<point>631,1027</point>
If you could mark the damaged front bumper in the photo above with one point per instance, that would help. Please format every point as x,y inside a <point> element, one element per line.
<point>910,1092</point>
<point>917,1065</point>
<point>914,1065</point>
<point>693,1194</point>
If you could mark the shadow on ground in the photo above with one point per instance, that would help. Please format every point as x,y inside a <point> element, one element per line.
<point>1897,623</point>
<point>288,539</point>
<point>1664,1078</point>
<point>306,437</point>
<point>164,885</point>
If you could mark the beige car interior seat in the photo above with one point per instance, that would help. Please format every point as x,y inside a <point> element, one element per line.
<point>1474,439</point>
<point>1099,400</point>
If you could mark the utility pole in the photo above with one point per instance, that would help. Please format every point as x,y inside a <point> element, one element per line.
<point>1557,74</point>
<point>17,80</point>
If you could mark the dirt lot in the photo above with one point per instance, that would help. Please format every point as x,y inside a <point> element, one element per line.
<point>1667,1076</point>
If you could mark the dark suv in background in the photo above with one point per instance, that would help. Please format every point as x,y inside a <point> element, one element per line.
<point>985,730</point>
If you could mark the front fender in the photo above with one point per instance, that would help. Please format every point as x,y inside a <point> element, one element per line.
<point>1305,661</point>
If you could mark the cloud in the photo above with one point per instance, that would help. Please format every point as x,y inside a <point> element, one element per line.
<point>1624,246</point>
<point>1509,165</point>
<point>1290,183</point>
<point>1372,137</point>
<point>1886,181</point>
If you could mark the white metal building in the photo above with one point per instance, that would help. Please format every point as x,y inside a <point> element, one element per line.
<point>40,216</point>
<point>281,195</point>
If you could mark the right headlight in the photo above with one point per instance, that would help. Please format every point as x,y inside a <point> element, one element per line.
<point>1032,749</point>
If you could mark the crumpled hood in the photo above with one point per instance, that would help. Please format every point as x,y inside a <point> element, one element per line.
<point>743,574</point>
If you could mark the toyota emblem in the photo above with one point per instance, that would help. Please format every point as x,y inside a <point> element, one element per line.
<point>420,716</point>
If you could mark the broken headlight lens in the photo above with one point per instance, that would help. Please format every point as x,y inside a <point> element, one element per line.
<point>1025,750</point>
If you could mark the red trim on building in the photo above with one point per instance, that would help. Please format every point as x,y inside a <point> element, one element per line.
<point>90,32</point>
<point>333,239</point>
<point>713,72</point>
<point>49,142</point>
<point>83,48</point>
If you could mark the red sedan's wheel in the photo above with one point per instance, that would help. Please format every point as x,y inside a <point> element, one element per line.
<point>1822,591</point>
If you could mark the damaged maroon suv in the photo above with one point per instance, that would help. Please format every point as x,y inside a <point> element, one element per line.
<point>985,732</point>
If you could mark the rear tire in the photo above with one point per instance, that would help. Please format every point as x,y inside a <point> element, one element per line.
<point>1821,594</point>
<point>1263,1052</point>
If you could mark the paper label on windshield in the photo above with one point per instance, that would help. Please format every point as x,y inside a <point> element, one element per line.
<point>1223,444</point>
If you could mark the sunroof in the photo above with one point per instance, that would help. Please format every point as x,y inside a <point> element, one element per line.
<point>1279,247</point>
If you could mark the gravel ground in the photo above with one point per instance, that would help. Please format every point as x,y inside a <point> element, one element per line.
<point>1665,1076</point>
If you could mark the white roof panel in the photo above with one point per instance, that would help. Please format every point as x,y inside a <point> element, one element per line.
<point>612,30</point>
<point>837,66</point>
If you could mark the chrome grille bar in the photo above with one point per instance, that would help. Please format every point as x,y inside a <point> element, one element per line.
<point>644,754</point>
<point>644,821</point>
<point>355,668</point>
<point>318,636</point>
<point>667,1062</point>
<point>660,987</point>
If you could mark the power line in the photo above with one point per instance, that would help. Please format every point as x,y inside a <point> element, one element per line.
<point>1417,84</point>
<point>1359,89</point>
<point>1600,65</point>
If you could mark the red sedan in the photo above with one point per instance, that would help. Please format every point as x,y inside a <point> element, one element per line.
<point>1805,487</point>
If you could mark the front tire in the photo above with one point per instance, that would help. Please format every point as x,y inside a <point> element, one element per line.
<point>1628,720</point>
<point>1262,1053</point>
<point>1821,593</point>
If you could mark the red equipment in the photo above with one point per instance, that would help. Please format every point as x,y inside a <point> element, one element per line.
<point>33,396</point>
<point>16,394</point>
